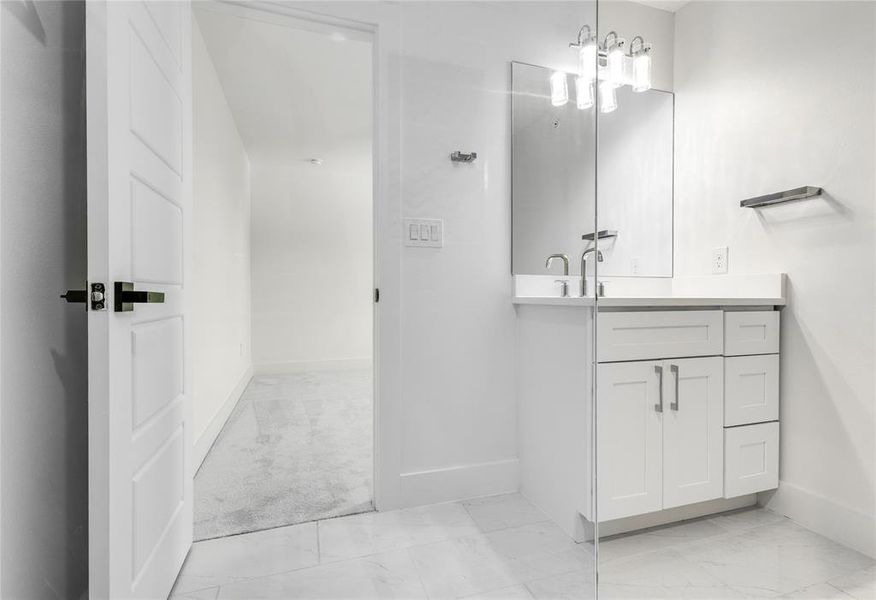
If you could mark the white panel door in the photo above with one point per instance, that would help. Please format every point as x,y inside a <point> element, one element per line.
<point>139,199</point>
<point>629,439</point>
<point>693,431</point>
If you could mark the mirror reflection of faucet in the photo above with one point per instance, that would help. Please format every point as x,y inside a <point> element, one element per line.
<point>565,283</point>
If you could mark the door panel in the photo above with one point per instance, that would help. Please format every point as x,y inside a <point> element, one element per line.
<point>630,439</point>
<point>139,182</point>
<point>693,450</point>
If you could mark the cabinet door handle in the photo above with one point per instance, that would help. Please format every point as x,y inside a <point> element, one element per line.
<point>659,406</point>
<point>674,370</point>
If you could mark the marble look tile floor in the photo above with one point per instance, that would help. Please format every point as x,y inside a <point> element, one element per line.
<point>502,547</point>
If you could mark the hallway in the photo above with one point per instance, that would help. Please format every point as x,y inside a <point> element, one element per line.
<point>298,447</point>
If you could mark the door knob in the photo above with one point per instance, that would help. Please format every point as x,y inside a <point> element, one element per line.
<point>126,296</point>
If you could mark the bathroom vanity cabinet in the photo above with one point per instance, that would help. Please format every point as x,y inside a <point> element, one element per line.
<point>681,415</point>
<point>687,404</point>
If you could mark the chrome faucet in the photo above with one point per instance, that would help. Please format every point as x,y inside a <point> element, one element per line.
<point>584,268</point>
<point>563,257</point>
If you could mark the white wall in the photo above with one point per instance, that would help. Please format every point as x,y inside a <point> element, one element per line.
<point>221,321</point>
<point>312,230</point>
<point>760,109</point>
<point>44,411</point>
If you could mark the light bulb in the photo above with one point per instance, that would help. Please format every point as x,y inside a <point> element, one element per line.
<point>583,92</point>
<point>616,65</point>
<point>607,97</point>
<point>559,89</point>
<point>587,61</point>
<point>642,72</point>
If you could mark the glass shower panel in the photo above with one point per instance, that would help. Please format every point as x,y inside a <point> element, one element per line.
<point>553,191</point>
<point>484,149</point>
<point>493,144</point>
<point>635,386</point>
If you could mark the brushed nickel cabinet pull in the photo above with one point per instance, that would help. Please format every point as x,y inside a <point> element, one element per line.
<point>659,406</point>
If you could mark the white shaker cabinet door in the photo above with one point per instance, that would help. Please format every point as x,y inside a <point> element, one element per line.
<point>693,433</point>
<point>629,439</point>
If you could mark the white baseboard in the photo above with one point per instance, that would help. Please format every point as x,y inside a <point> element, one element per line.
<point>300,366</point>
<point>824,515</point>
<point>206,439</point>
<point>459,483</point>
<point>672,515</point>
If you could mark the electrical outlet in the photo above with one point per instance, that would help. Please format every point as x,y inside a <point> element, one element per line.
<point>634,265</point>
<point>719,260</point>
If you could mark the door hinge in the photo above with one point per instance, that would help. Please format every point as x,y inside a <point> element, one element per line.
<point>94,297</point>
<point>376,295</point>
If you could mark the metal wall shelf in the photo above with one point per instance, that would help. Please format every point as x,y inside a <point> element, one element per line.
<point>801,193</point>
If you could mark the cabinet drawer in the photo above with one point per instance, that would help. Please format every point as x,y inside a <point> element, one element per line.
<point>751,459</point>
<point>659,334</point>
<point>751,389</point>
<point>751,332</point>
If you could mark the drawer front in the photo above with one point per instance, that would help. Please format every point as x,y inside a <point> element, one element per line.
<point>751,389</point>
<point>659,334</point>
<point>751,332</point>
<point>751,459</point>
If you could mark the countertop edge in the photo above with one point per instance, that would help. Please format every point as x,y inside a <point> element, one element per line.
<point>685,301</point>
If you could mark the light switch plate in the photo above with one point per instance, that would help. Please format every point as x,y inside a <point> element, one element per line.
<point>720,257</point>
<point>424,233</point>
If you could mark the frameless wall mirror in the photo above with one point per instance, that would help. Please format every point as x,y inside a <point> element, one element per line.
<point>552,178</point>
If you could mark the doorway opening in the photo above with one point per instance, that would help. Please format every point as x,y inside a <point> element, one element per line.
<point>283,373</point>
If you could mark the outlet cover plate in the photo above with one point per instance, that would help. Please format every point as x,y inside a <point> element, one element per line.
<point>720,257</point>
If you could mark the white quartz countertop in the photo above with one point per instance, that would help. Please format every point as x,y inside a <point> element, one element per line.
<point>720,290</point>
<point>632,301</point>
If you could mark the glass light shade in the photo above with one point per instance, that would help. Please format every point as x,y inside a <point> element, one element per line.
<point>583,92</point>
<point>642,72</point>
<point>559,89</point>
<point>616,66</point>
<point>587,61</point>
<point>607,97</point>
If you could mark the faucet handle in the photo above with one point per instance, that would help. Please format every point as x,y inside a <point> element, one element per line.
<point>565,286</point>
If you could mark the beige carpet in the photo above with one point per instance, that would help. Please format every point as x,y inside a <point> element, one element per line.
<point>296,448</point>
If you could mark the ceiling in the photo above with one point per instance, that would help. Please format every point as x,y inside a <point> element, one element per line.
<point>667,5</point>
<point>294,94</point>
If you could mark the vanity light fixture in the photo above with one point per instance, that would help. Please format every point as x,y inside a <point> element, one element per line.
<point>641,58</point>
<point>559,89</point>
<point>615,58</point>
<point>588,53</point>
<point>603,68</point>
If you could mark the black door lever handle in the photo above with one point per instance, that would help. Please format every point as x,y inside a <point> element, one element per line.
<point>126,296</point>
